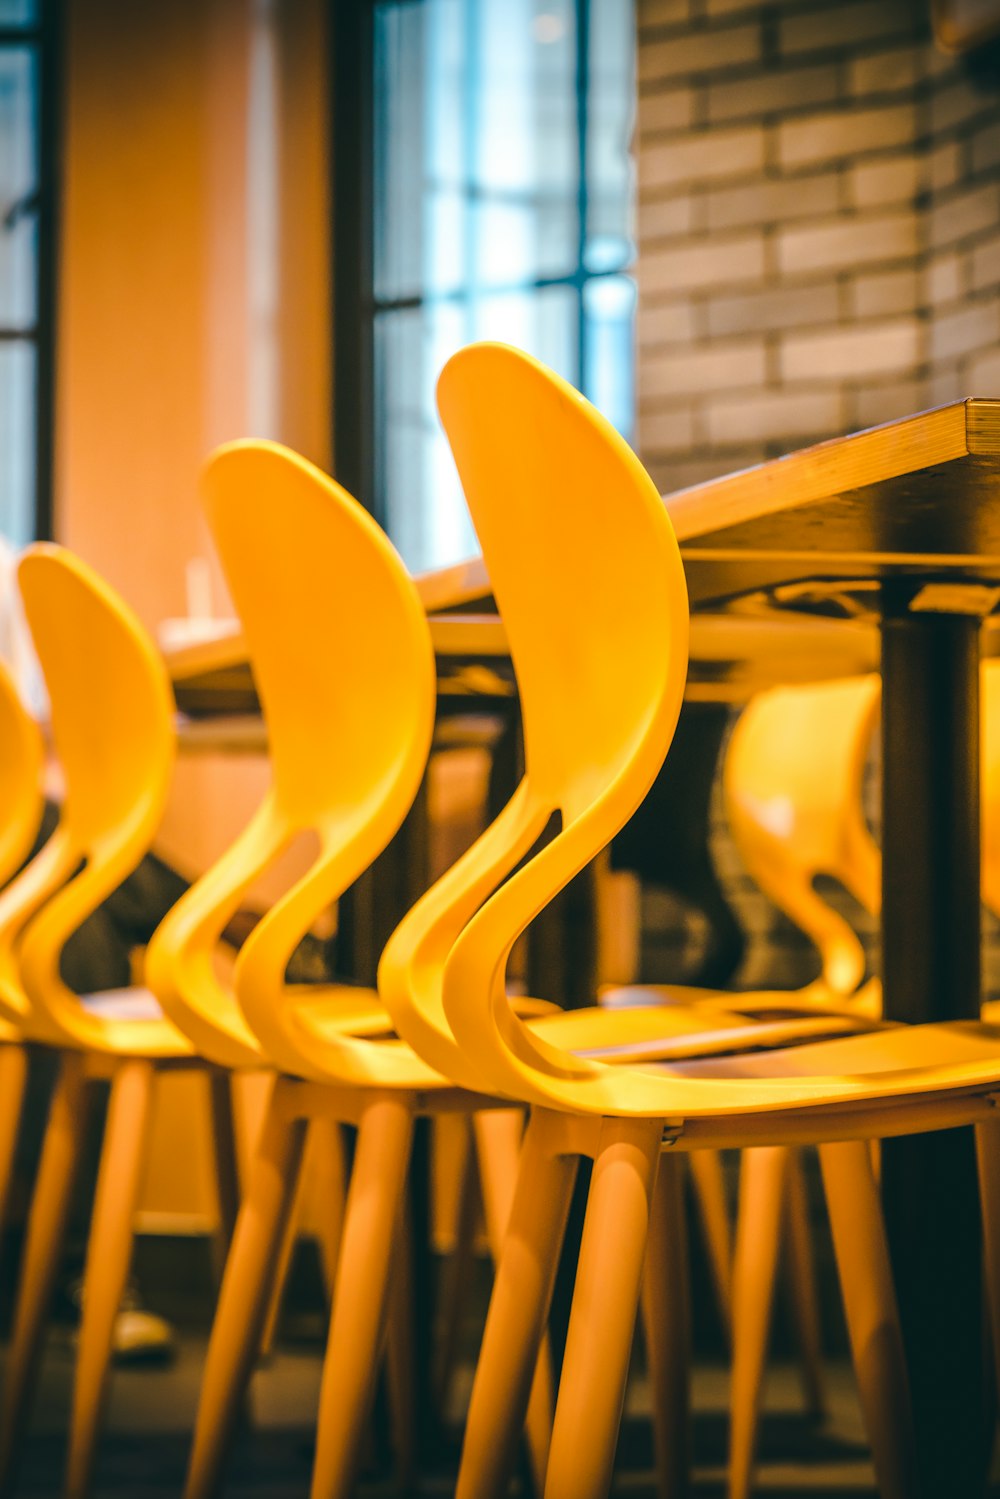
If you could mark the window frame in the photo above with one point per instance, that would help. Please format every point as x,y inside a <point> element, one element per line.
<point>354,303</point>
<point>43,37</point>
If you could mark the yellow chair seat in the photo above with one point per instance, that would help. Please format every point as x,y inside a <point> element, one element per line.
<point>672,1032</point>
<point>123,1004</point>
<point>886,1062</point>
<point>356,1011</point>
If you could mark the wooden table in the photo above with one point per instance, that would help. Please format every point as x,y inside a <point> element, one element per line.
<point>890,541</point>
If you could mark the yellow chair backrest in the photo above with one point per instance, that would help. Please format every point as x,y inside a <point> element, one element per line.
<point>588,580</point>
<point>21,761</point>
<point>793,781</point>
<point>112,729</point>
<point>344,667</point>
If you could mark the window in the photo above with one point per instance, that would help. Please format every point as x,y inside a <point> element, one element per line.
<point>501,201</point>
<point>25,270</point>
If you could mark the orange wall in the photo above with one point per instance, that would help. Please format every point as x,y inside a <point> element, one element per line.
<point>156,337</point>
<point>161,341</point>
<point>161,348</point>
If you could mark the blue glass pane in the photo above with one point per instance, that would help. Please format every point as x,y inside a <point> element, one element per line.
<point>18,12</point>
<point>610,122</point>
<point>476,157</point>
<point>17,441</point>
<point>18,186</point>
<point>419,494</point>
<point>609,313</point>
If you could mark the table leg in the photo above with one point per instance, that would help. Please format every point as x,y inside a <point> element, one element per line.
<point>931,967</point>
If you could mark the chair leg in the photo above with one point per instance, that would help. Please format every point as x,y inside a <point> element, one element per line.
<point>374,1200</point>
<point>667,1324</point>
<point>62,1148</point>
<point>988,1153</point>
<point>13,1076</point>
<point>762,1178</point>
<point>401,1355</point>
<point>498,1135</point>
<point>324,1152</point>
<point>459,1268</point>
<point>710,1196</point>
<point>872,1317</point>
<point>283,1265</point>
<point>605,1301</point>
<point>326,1142</point>
<point>227,1180</point>
<point>239,1318</point>
<point>109,1253</point>
<point>802,1287</point>
<point>518,1313</point>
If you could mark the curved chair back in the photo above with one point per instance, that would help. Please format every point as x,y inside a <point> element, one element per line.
<point>793,781</point>
<point>344,668</point>
<point>112,728</point>
<point>21,762</point>
<point>588,580</point>
<point>21,805</point>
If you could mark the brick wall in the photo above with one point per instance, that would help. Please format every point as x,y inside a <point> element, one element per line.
<point>819,250</point>
<point>818,226</point>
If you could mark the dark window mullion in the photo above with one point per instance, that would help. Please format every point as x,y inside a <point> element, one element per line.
<point>582,111</point>
<point>49,93</point>
<point>576,279</point>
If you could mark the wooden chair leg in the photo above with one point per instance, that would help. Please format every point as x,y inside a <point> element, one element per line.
<point>519,1309</point>
<point>667,1324</point>
<point>605,1301</point>
<point>250,1269</point>
<point>498,1134</point>
<point>109,1253</point>
<point>762,1178</point>
<point>458,1273</point>
<point>282,1268</point>
<point>326,1144</point>
<point>710,1197</point>
<point>227,1179</point>
<point>872,1317</point>
<point>401,1355</point>
<point>62,1148</point>
<point>802,1287</point>
<point>988,1154</point>
<point>371,1222</point>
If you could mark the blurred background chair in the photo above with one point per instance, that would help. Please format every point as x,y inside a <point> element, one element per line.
<point>21,759</point>
<point>112,729</point>
<point>793,775</point>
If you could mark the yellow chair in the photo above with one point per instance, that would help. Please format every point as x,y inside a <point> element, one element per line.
<point>793,787</point>
<point>21,804</point>
<point>588,578</point>
<point>792,782</point>
<point>112,728</point>
<point>344,667</point>
<point>343,663</point>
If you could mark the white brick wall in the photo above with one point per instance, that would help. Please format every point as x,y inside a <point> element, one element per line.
<point>819,225</point>
<point>819,238</point>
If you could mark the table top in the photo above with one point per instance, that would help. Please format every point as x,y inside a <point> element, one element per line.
<point>766,551</point>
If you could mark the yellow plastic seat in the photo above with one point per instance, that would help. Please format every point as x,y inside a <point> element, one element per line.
<point>588,579</point>
<point>112,729</point>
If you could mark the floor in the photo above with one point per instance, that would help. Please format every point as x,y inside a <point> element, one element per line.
<point>151,1413</point>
